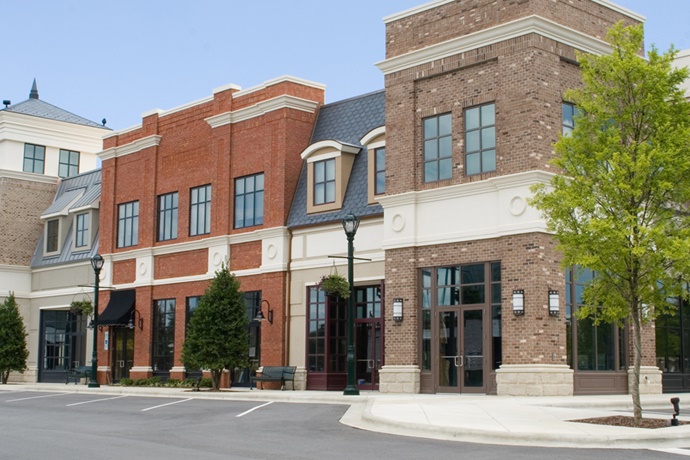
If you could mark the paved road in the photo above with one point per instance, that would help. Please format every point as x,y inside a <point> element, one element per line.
<point>42,425</point>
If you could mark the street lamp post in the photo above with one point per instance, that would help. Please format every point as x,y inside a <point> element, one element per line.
<point>350,225</point>
<point>97,264</point>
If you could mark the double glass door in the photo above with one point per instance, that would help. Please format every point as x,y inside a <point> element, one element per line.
<point>123,352</point>
<point>460,350</point>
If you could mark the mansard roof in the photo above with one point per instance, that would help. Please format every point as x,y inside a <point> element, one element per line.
<point>346,122</point>
<point>74,193</point>
<point>35,107</point>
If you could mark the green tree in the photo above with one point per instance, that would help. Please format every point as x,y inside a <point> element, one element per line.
<point>620,205</point>
<point>216,336</point>
<point>13,351</point>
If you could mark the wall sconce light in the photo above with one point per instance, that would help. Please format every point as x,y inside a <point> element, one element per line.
<point>139,323</point>
<point>260,315</point>
<point>519,302</point>
<point>397,309</point>
<point>553,302</point>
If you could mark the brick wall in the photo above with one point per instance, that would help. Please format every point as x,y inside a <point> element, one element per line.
<point>464,17</point>
<point>124,271</point>
<point>187,263</point>
<point>21,204</point>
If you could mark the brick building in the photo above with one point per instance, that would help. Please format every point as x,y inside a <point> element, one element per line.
<point>474,104</point>
<point>183,192</point>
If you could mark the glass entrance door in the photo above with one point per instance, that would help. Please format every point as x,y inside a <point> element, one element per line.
<point>368,337</point>
<point>123,352</point>
<point>460,350</point>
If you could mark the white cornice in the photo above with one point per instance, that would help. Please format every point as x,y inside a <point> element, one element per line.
<point>278,80</point>
<point>132,147</point>
<point>621,10</point>
<point>427,6</point>
<point>469,189</point>
<point>492,35</point>
<point>373,134</point>
<point>29,177</point>
<point>340,147</point>
<point>200,244</point>
<point>262,108</point>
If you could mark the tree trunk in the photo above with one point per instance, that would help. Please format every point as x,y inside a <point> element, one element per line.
<point>5,375</point>
<point>637,358</point>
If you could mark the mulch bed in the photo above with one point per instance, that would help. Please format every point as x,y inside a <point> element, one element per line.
<point>622,420</point>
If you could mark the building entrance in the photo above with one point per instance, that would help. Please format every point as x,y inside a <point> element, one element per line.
<point>123,352</point>
<point>461,341</point>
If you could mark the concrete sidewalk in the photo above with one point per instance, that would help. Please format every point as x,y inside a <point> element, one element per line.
<point>534,421</point>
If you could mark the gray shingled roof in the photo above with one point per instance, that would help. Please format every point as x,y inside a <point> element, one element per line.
<point>88,185</point>
<point>37,108</point>
<point>346,122</point>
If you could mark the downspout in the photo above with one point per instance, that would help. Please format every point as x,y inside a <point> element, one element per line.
<point>288,280</point>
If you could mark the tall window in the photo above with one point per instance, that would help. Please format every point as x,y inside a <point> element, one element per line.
<point>163,335</point>
<point>128,224</point>
<point>249,201</point>
<point>34,158</point>
<point>63,344</point>
<point>438,148</point>
<point>192,304</point>
<point>569,111</point>
<point>81,235</point>
<point>480,139</point>
<point>590,347</point>
<point>673,339</point>
<point>327,340</point>
<point>69,163</point>
<point>167,216</point>
<point>324,181</point>
<point>52,235</point>
<point>200,211</point>
<point>380,171</point>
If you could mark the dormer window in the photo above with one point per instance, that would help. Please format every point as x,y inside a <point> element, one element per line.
<point>324,181</point>
<point>81,233</point>
<point>329,164</point>
<point>375,142</point>
<point>52,236</point>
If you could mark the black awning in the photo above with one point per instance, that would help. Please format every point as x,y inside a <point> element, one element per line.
<point>119,309</point>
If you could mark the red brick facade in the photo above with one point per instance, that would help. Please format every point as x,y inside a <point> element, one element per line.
<point>210,142</point>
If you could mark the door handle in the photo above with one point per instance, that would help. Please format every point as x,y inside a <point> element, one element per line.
<point>122,364</point>
<point>459,361</point>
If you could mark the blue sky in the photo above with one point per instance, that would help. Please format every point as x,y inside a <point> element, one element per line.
<point>120,59</point>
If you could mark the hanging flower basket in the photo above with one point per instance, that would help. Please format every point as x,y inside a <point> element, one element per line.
<point>335,284</point>
<point>81,307</point>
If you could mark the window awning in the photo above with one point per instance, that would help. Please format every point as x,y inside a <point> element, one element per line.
<point>119,309</point>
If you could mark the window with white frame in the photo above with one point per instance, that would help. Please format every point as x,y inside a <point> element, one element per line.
<point>81,233</point>
<point>324,181</point>
<point>69,163</point>
<point>34,158</point>
<point>52,235</point>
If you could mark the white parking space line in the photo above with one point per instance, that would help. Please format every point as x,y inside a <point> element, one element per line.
<point>253,409</point>
<point>37,397</point>
<point>674,451</point>
<point>168,404</point>
<point>96,400</point>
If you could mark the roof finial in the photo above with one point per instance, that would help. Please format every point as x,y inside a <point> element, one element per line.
<point>34,91</point>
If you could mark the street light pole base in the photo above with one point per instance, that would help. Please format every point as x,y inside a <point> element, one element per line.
<point>351,391</point>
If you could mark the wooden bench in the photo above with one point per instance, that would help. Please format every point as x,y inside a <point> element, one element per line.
<point>77,374</point>
<point>280,374</point>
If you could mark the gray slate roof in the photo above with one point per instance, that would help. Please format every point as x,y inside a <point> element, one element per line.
<point>37,108</point>
<point>88,185</point>
<point>347,122</point>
